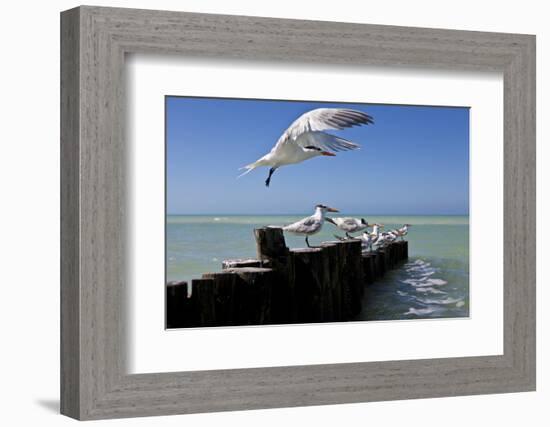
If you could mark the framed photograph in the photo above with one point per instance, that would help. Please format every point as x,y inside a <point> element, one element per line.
<point>262,213</point>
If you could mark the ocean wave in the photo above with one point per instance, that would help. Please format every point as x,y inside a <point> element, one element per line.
<point>429,290</point>
<point>437,282</point>
<point>425,283</point>
<point>419,311</point>
<point>446,301</point>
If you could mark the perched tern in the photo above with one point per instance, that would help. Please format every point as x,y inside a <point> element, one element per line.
<point>305,139</point>
<point>403,231</point>
<point>385,239</point>
<point>376,230</point>
<point>349,225</point>
<point>310,225</point>
<point>368,239</point>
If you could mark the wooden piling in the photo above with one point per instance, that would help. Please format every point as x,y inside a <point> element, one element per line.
<point>179,308</point>
<point>323,284</point>
<point>391,261</point>
<point>310,275</point>
<point>334,274</point>
<point>203,299</point>
<point>353,276</point>
<point>253,294</point>
<point>272,251</point>
<point>381,262</point>
<point>369,270</point>
<point>224,292</point>
<point>271,245</point>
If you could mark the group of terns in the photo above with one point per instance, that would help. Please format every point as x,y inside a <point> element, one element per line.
<point>369,239</point>
<point>305,138</point>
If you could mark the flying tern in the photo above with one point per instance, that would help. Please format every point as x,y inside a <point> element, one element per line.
<point>305,138</point>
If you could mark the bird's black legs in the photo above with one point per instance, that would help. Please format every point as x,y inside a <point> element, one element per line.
<point>268,180</point>
<point>307,242</point>
<point>349,237</point>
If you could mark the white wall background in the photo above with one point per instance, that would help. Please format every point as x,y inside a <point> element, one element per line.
<point>29,236</point>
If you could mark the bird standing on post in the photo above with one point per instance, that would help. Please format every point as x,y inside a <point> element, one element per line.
<point>403,231</point>
<point>305,139</point>
<point>310,225</point>
<point>350,225</point>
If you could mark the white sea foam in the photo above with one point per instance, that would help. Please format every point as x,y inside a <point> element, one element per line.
<point>459,303</point>
<point>419,311</point>
<point>412,282</point>
<point>427,274</point>
<point>445,301</point>
<point>429,290</point>
<point>437,282</point>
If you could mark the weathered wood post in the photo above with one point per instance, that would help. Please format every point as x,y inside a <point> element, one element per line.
<point>253,295</point>
<point>375,265</point>
<point>178,308</point>
<point>334,297</point>
<point>353,276</point>
<point>204,302</point>
<point>272,251</point>
<point>369,268</point>
<point>390,250</point>
<point>381,258</point>
<point>224,285</point>
<point>312,283</point>
<point>400,249</point>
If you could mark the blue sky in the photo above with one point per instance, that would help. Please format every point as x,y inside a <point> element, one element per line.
<point>414,160</point>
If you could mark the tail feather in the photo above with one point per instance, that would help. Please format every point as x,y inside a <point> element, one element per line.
<point>250,167</point>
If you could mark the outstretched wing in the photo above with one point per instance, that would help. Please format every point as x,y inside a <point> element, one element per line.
<point>321,119</point>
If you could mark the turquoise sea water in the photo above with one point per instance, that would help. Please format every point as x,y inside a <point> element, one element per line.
<point>433,283</point>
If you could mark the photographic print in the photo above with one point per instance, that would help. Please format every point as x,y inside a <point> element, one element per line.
<point>288,211</point>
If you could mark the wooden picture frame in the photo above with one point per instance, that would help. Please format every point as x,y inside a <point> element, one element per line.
<point>94,382</point>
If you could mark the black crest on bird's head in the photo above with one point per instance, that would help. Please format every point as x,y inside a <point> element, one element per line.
<point>321,206</point>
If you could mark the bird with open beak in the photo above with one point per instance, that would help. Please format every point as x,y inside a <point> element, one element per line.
<point>310,225</point>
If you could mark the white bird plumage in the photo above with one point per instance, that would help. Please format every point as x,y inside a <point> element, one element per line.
<point>305,139</point>
<point>349,225</point>
<point>311,224</point>
<point>403,231</point>
<point>368,239</point>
